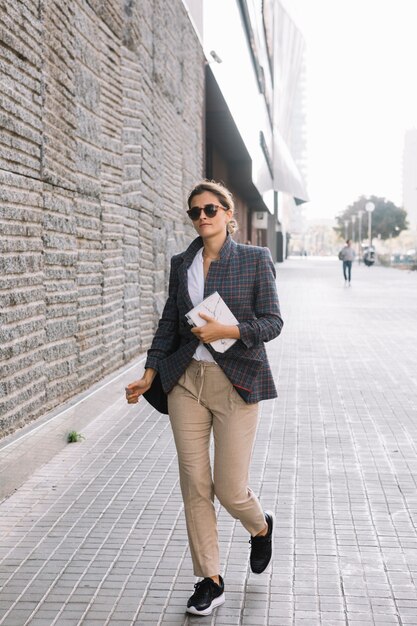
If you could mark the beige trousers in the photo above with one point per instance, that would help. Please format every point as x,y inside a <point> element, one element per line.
<point>203,401</point>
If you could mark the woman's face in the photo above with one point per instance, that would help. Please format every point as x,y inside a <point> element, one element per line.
<point>210,226</point>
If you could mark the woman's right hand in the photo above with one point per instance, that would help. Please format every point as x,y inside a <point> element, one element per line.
<point>139,387</point>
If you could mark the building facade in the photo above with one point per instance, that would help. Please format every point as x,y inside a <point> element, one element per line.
<point>101,136</point>
<point>110,113</point>
<point>254,112</point>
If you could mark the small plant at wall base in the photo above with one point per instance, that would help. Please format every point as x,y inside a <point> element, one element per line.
<point>73,436</point>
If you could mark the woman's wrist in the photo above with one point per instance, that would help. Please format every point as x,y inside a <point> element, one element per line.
<point>231,332</point>
<point>149,375</point>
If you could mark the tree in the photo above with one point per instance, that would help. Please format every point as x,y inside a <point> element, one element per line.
<point>388,220</point>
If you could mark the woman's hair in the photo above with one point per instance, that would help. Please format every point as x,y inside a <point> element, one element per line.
<point>219,190</point>
<point>223,194</point>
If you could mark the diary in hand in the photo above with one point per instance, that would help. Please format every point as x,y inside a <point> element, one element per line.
<point>216,307</point>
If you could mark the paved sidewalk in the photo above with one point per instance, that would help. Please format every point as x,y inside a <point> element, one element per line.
<point>96,536</point>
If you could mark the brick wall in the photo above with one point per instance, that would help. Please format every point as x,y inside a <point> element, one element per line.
<point>101,121</point>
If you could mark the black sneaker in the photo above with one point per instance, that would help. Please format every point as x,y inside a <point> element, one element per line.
<point>261,551</point>
<point>206,597</point>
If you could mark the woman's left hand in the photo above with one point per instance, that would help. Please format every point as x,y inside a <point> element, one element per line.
<point>213,330</point>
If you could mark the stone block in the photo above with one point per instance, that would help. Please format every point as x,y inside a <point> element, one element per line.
<point>21,117</point>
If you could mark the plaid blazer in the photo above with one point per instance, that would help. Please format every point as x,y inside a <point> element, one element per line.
<point>245,278</point>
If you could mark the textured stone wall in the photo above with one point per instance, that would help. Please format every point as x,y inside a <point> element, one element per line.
<point>101,121</point>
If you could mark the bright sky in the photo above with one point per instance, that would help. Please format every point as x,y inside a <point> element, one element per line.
<point>361,97</point>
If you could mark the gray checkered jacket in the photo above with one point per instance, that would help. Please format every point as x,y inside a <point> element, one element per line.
<point>245,278</point>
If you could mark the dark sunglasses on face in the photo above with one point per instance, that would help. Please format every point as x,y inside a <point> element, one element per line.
<point>210,210</point>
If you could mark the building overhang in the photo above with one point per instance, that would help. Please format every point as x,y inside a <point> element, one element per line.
<point>223,132</point>
<point>287,177</point>
<point>225,135</point>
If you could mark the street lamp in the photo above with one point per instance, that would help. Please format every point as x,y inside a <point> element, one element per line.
<point>360,213</point>
<point>370,206</point>
<point>353,219</point>
<point>346,229</point>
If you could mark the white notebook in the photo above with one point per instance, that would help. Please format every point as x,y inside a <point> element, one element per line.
<point>216,307</point>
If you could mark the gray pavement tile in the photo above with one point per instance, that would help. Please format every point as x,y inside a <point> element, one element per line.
<point>253,620</point>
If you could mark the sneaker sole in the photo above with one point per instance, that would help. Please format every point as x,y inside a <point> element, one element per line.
<point>272,516</point>
<point>216,602</point>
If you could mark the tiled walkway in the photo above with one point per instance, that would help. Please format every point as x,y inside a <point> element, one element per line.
<point>96,536</point>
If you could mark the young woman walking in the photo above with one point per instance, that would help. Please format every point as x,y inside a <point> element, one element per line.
<point>213,392</point>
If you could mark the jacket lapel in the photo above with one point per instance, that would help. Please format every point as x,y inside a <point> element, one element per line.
<point>183,292</point>
<point>187,259</point>
<point>219,269</point>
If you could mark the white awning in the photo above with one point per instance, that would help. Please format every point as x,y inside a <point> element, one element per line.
<point>287,177</point>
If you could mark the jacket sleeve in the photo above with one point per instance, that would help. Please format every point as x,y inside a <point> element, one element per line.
<point>268,322</point>
<point>166,337</point>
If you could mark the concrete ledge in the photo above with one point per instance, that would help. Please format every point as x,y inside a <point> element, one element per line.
<point>27,449</point>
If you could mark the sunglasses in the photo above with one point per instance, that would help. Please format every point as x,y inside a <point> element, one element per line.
<point>210,210</point>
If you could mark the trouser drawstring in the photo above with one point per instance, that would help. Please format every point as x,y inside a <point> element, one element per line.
<point>202,372</point>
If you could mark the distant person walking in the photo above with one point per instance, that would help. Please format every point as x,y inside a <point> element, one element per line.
<point>347,255</point>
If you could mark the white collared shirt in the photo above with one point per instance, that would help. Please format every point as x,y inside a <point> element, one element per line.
<point>195,278</point>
